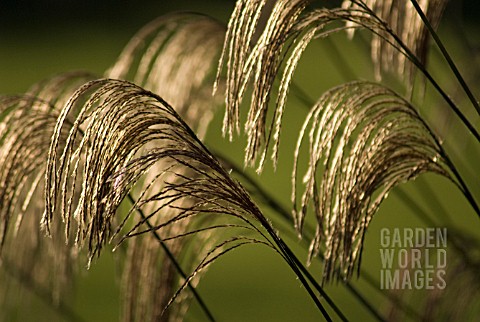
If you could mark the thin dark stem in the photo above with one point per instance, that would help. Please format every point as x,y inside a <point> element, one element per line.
<point>274,205</point>
<point>266,198</point>
<point>303,96</point>
<point>308,102</point>
<point>413,58</point>
<point>319,288</point>
<point>170,255</point>
<point>447,56</point>
<point>283,248</point>
<point>292,262</point>
<point>43,294</point>
<point>463,187</point>
<point>460,183</point>
<point>172,258</point>
<point>445,96</point>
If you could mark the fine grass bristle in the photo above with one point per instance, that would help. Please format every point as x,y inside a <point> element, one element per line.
<point>121,162</point>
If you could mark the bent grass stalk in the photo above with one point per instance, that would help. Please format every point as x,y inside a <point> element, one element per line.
<point>113,150</point>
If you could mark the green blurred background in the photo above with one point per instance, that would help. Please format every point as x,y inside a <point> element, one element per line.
<point>41,38</point>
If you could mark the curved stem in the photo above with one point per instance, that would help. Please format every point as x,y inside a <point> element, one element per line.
<point>292,262</point>
<point>447,57</point>
<point>447,98</point>
<point>170,255</point>
<point>317,286</point>
<point>462,185</point>
<point>274,205</point>
<point>414,59</point>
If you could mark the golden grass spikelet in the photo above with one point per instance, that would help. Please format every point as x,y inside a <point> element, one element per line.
<point>257,60</point>
<point>289,29</point>
<point>23,140</point>
<point>403,20</point>
<point>121,133</point>
<point>150,279</point>
<point>121,159</point>
<point>27,123</point>
<point>26,127</point>
<point>175,56</point>
<point>368,140</point>
<point>149,282</point>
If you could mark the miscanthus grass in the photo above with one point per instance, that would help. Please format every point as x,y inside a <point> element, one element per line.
<point>120,159</point>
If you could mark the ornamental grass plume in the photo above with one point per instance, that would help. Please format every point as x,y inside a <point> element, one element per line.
<point>122,161</point>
